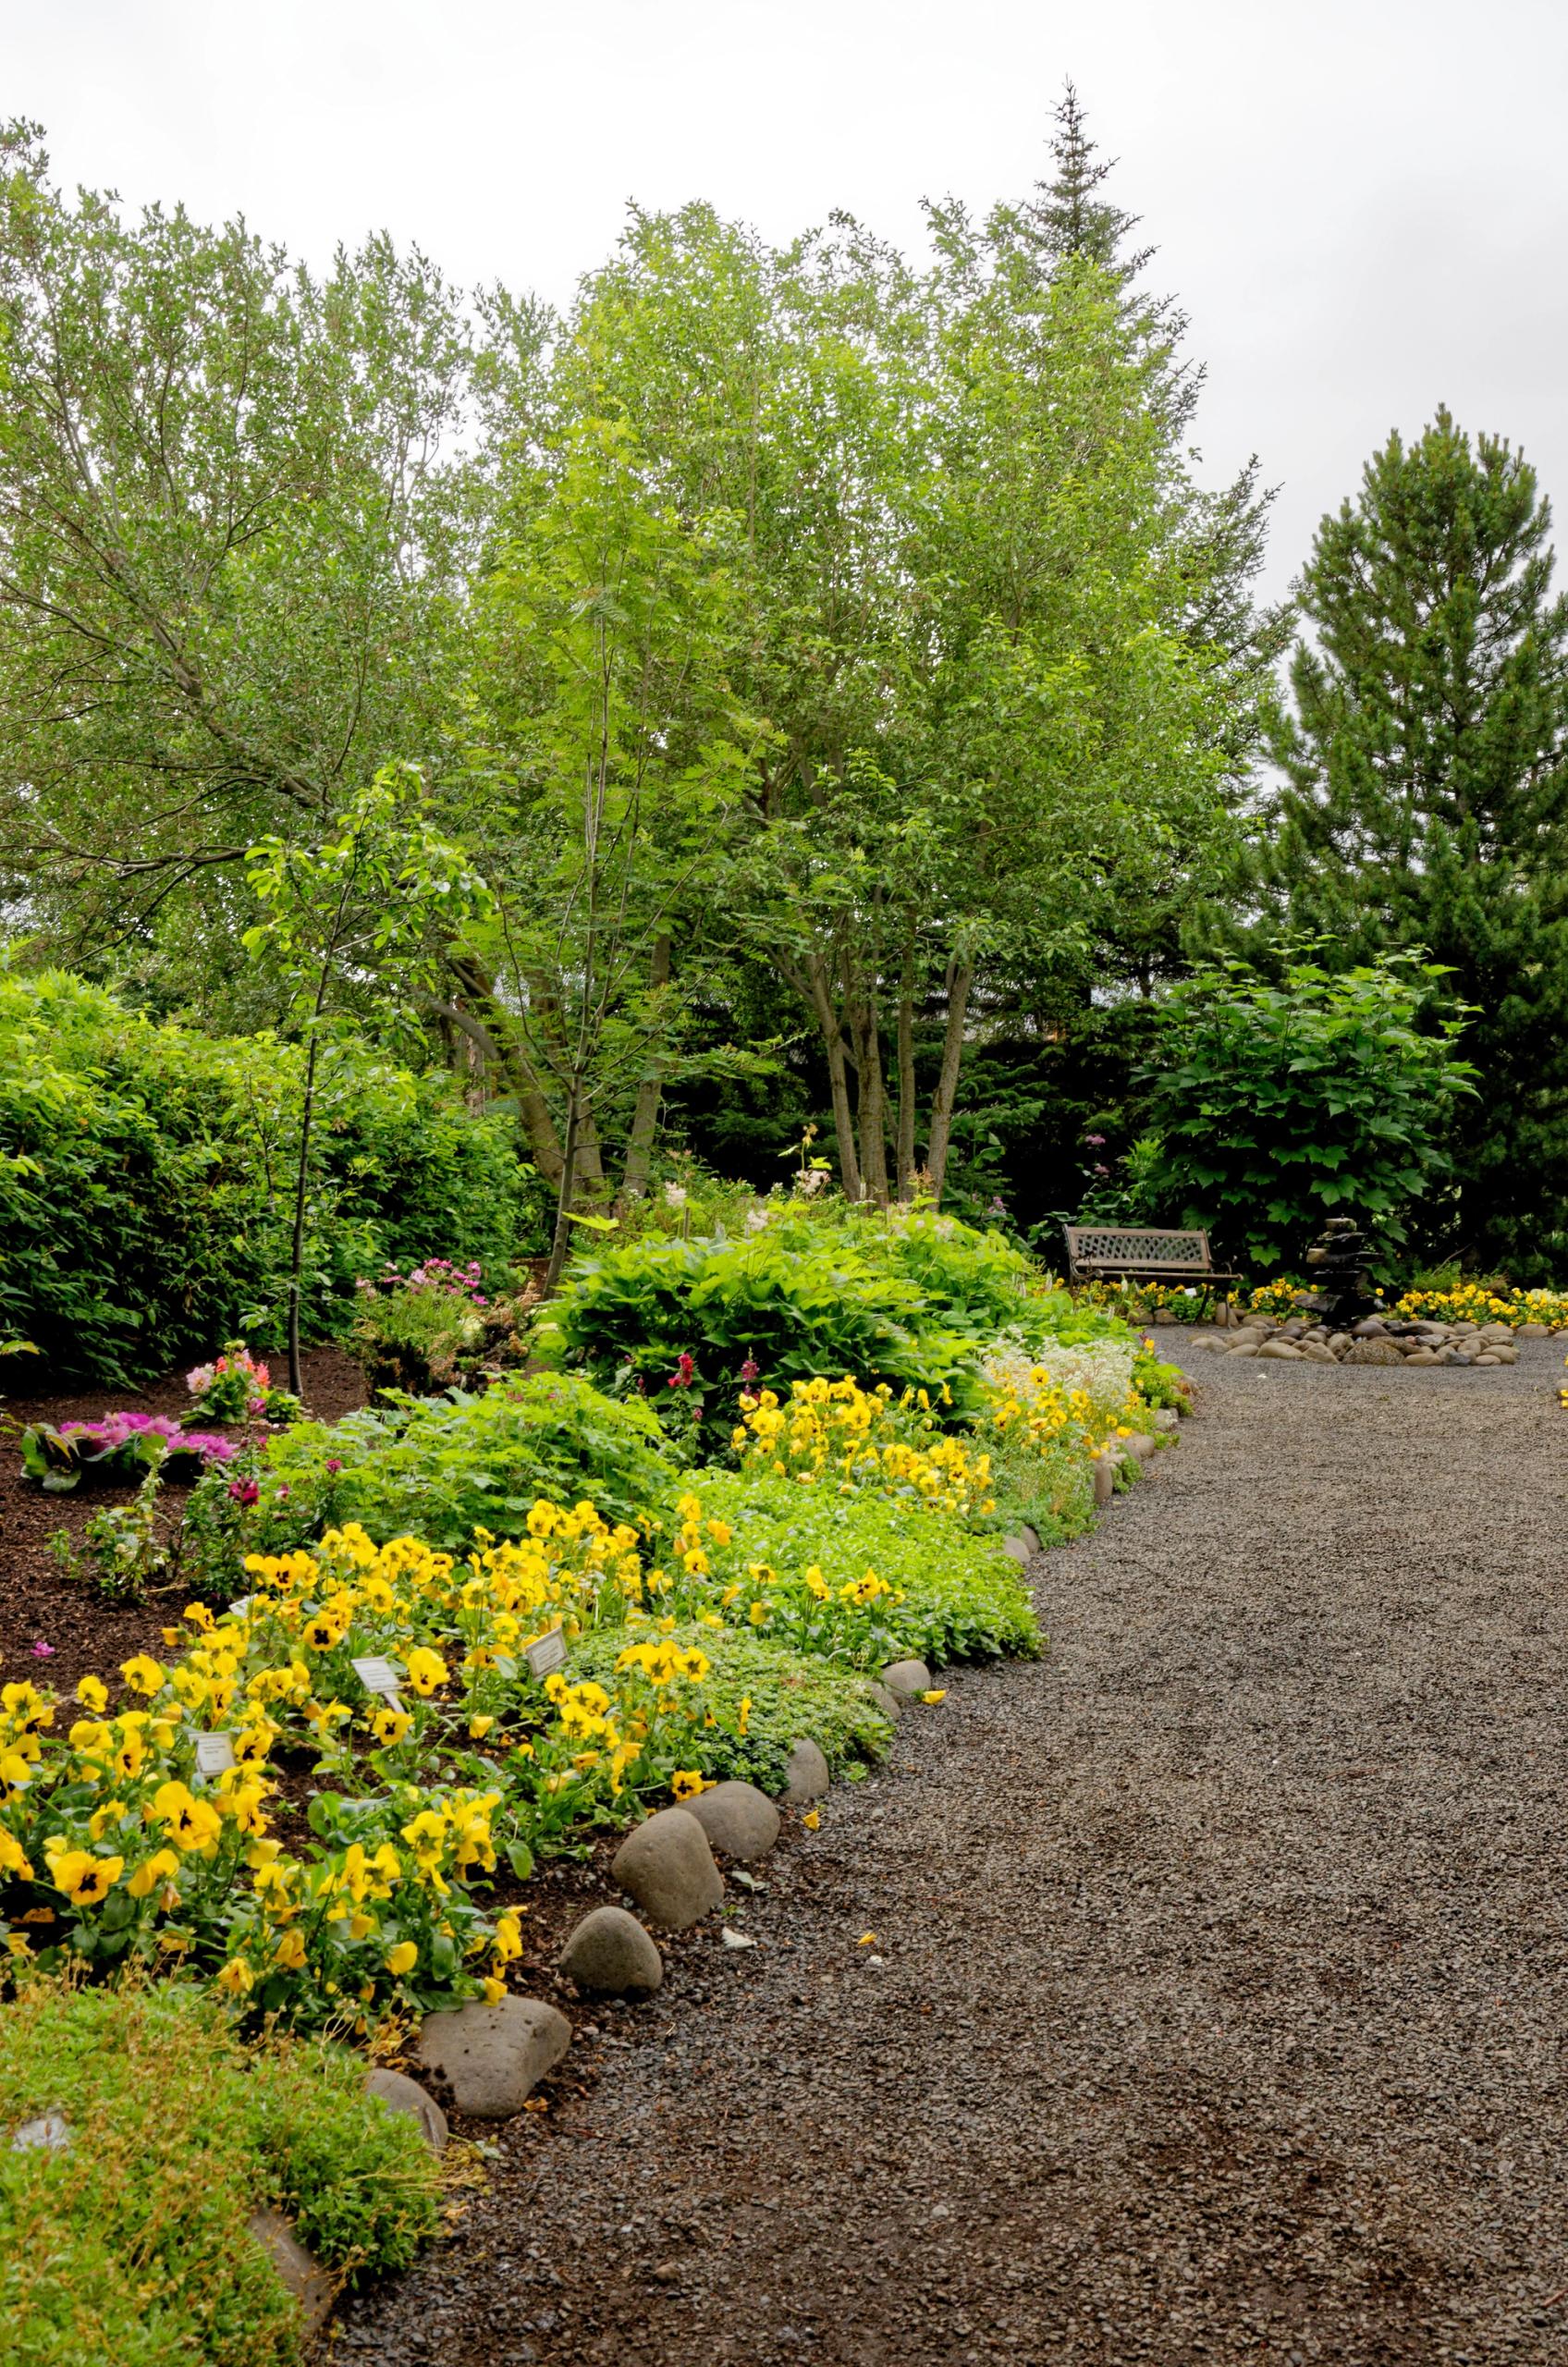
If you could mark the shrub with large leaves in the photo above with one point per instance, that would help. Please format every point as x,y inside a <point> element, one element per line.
<point>1278,1106</point>
<point>788,1306</point>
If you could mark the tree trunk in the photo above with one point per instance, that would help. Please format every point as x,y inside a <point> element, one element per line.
<point>500,1040</point>
<point>560,1245</point>
<point>645,1110</point>
<point>873,1099</point>
<point>297,1248</point>
<point>904,1156</point>
<point>961,977</point>
<point>837,1079</point>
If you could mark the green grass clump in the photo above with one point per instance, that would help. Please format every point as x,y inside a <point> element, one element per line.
<point>963,1596</point>
<point>129,2248</point>
<point>791,1694</point>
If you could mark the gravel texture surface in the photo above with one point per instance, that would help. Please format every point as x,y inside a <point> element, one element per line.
<point>1218,2000</point>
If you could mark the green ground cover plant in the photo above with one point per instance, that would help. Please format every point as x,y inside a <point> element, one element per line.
<point>958,1596</point>
<point>129,2243</point>
<point>764,1696</point>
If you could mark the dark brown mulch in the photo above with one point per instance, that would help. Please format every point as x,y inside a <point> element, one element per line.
<point>38,1605</point>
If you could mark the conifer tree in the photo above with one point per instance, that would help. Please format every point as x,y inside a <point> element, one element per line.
<point>1067,216</point>
<point>1424,801</point>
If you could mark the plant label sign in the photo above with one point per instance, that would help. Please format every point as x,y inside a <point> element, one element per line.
<point>214,1754</point>
<point>377,1676</point>
<point>548,1654</point>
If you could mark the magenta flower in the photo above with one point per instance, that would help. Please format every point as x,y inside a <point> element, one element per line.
<point>1096,1142</point>
<point>244,1491</point>
<point>43,1651</point>
<point>333,1466</point>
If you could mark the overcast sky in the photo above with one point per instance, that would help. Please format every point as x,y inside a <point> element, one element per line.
<point>1361,203</point>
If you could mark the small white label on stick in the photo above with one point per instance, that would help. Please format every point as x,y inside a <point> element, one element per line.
<point>548,1652</point>
<point>214,1754</point>
<point>377,1676</point>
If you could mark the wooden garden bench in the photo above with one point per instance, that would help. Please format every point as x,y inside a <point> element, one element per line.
<point>1106,1253</point>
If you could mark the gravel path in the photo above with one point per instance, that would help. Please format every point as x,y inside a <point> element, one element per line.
<point>1218,2000</point>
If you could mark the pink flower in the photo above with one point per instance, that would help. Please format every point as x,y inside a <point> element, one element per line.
<point>244,1491</point>
<point>333,1466</point>
<point>43,1651</point>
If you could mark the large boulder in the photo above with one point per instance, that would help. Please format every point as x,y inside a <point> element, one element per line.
<point>610,1952</point>
<point>492,2056</point>
<point>667,1864</point>
<point>400,2094</point>
<point>905,1679</point>
<point>737,1819</point>
<point>806,1772</point>
<point>1372,1351</point>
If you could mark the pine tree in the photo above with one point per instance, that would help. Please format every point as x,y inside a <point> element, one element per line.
<point>1425,791</point>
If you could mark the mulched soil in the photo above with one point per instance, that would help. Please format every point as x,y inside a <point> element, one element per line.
<point>37,1605</point>
<point>1216,2007</point>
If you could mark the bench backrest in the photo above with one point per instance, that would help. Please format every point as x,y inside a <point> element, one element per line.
<point>1134,1249</point>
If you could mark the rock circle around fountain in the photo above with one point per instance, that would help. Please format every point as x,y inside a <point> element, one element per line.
<point>1375,1340</point>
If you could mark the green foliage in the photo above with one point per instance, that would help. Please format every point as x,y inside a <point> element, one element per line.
<point>962,1596</point>
<point>235,552</point>
<point>439,1468</point>
<point>143,1173</point>
<point>130,2244</point>
<point>1426,797</point>
<point>1279,1105</point>
<point>791,1694</point>
<point>795,1304</point>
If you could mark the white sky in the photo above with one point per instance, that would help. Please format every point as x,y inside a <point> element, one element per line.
<point>1361,205</point>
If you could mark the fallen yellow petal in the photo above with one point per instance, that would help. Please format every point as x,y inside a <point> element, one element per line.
<point>866,1939</point>
<point>940,1694</point>
<point>811,1820</point>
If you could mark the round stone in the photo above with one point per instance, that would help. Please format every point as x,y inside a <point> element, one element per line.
<point>492,2056</point>
<point>667,1864</point>
<point>1372,1350</point>
<point>400,2094</point>
<point>906,1678</point>
<point>737,1819</point>
<point>807,1773</point>
<point>611,1954</point>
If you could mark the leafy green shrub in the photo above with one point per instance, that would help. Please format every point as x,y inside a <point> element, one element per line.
<point>1279,1105</point>
<point>789,1694</point>
<point>130,2244</point>
<point>963,1595</point>
<point>437,1469</point>
<point>779,1305</point>
<point>143,1205</point>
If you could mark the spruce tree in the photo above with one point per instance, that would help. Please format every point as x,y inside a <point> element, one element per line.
<point>1067,216</point>
<point>1424,801</point>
